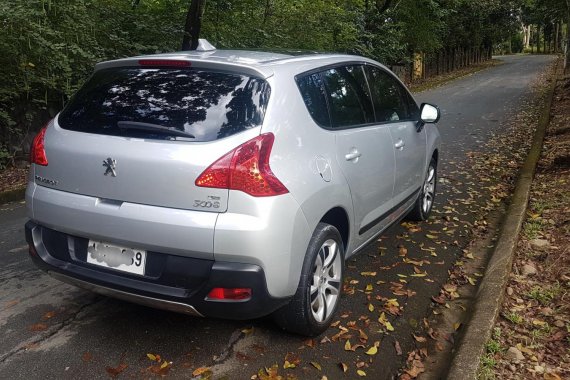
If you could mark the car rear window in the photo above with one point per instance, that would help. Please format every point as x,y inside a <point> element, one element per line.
<point>208,105</point>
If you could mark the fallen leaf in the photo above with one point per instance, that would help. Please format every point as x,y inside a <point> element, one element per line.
<point>372,351</point>
<point>397,348</point>
<point>38,327</point>
<point>316,365</point>
<point>551,376</point>
<point>361,373</point>
<point>368,274</point>
<point>199,371</point>
<point>291,360</point>
<point>370,307</point>
<point>420,339</point>
<point>347,346</point>
<point>369,287</point>
<point>115,371</point>
<point>287,365</point>
<point>48,315</point>
<point>416,368</point>
<point>309,343</point>
<point>247,331</point>
<point>343,366</point>
<point>151,357</point>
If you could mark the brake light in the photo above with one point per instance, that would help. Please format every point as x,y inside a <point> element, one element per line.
<point>37,151</point>
<point>229,294</point>
<point>246,168</point>
<point>164,62</point>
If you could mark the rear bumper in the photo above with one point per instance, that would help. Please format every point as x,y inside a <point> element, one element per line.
<point>267,232</point>
<point>171,282</point>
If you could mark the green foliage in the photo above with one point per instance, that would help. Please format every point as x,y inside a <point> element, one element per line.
<point>49,47</point>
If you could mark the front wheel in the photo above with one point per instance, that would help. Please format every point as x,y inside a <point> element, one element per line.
<point>313,306</point>
<point>424,203</point>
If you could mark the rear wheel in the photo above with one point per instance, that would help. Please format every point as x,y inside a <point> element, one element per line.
<point>424,203</point>
<point>313,306</point>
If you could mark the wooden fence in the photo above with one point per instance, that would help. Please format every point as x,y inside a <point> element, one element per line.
<point>425,66</point>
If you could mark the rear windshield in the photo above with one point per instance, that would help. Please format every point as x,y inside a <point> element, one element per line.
<point>207,105</point>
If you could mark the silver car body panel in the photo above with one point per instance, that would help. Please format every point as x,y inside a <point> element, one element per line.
<point>162,229</point>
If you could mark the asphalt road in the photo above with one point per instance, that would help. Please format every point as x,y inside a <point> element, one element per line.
<point>51,330</point>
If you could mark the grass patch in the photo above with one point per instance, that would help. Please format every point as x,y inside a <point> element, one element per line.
<point>487,369</point>
<point>533,228</point>
<point>545,295</point>
<point>488,362</point>
<point>513,317</point>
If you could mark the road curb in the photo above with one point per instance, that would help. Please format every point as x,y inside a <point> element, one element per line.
<point>467,356</point>
<point>12,195</point>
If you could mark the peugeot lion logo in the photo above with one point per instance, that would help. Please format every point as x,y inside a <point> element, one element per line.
<point>110,166</point>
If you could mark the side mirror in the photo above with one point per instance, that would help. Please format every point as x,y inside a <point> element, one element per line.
<point>429,113</point>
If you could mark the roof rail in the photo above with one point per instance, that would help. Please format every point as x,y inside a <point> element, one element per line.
<point>204,45</point>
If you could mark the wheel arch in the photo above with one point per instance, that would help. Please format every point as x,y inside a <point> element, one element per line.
<point>435,155</point>
<point>338,217</point>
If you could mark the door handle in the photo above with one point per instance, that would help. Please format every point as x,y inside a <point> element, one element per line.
<point>400,144</point>
<point>353,155</point>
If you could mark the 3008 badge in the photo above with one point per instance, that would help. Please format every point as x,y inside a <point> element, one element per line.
<point>206,204</point>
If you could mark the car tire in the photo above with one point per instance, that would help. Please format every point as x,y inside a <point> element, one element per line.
<point>313,306</point>
<point>424,203</point>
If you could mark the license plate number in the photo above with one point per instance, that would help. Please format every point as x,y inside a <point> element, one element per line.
<point>116,257</point>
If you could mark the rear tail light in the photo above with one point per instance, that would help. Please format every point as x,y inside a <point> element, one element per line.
<point>246,168</point>
<point>229,294</point>
<point>37,151</point>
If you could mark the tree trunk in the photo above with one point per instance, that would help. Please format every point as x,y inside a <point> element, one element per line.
<point>526,38</point>
<point>538,39</point>
<point>193,25</point>
<point>567,48</point>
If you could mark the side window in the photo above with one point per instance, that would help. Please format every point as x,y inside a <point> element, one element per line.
<point>313,93</point>
<point>349,99</point>
<point>413,109</point>
<point>390,99</point>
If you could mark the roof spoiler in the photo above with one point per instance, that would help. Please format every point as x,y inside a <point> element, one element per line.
<point>204,45</point>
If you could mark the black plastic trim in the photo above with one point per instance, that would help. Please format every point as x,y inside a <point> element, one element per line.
<point>371,225</point>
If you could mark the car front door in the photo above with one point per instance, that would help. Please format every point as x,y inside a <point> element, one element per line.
<point>396,107</point>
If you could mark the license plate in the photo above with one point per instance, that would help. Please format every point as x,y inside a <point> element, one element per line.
<point>116,257</point>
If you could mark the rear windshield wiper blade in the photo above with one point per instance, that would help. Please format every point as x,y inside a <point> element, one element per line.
<point>153,128</point>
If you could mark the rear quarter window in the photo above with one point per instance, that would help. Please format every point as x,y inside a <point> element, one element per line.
<point>314,96</point>
<point>208,105</point>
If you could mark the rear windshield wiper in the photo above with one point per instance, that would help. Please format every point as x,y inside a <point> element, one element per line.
<point>153,128</point>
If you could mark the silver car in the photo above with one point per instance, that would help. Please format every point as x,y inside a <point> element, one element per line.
<point>228,184</point>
